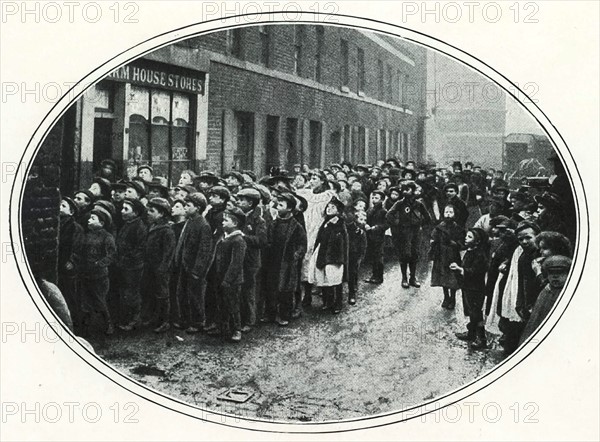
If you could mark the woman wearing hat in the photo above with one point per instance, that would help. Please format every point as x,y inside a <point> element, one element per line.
<point>548,215</point>
<point>329,260</point>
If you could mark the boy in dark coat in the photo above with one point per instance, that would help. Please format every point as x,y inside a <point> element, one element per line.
<point>408,215</point>
<point>158,257</point>
<point>131,241</point>
<point>67,278</point>
<point>193,257</point>
<point>286,246</point>
<point>376,227</point>
<point>218,197</point>
<point>255,234</point>
<point>94,251</point>
<point>229,268</point>
<point>177,223</point>
<point>471,274</point>
<point>357,247</point>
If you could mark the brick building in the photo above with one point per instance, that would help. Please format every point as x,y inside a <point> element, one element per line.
<point>466,114</point>
<point>252,98</point>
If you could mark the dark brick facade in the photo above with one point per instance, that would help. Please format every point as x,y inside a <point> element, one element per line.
<point>40,213</point>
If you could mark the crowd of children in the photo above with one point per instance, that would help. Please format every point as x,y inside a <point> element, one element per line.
<point>219,254</point>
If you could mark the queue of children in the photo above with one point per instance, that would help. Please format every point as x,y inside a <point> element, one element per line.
<point>219,254</point>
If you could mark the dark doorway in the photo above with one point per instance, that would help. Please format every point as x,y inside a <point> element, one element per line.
<point>102,140</point>
<point>272,143</point>
<point>315,144</point>
<point>244,155</point>
<point>291,142</point>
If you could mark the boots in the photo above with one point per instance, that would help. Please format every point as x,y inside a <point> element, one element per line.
<point>451,300</point>
<point>446,299</point>
<point>480,342</point>
<point>469,335</point>
<point>412,265</point>
<point>307,301</point>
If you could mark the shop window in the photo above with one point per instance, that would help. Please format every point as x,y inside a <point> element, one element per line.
<point>244,154</point>
<point>160,131</point>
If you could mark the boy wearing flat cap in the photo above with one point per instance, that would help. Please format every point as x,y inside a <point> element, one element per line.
<point>93,252</point>
<point>218,196</point>
<point>255,235</point>
<point>286,247</point>
<point>556,270</point>
<point>229,268</point>
<point>158,258</point>
<point>131,242</point>
<point>193,256</point>
<point>67,281</point>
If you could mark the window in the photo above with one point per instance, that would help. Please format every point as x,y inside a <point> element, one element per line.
<point>347,143</point>
<point>389,91</point>
<point>360,67</point>
<point>243,157</point>
<point>160,131</point>
<point>315,143</point>
<point>319,52</point>
<point>291,141</point>
<point>344,61</point>
<point>104,96</point>
<point>380,79</point>
<point>405,146</point>
<point>400,88</point>
<point>382,151</point>
<point>362,144</point>
<point>298,37</point>
<point>234,42</point>
<point>265,45</point>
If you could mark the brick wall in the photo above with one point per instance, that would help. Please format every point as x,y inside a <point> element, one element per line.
<point>39,212</point>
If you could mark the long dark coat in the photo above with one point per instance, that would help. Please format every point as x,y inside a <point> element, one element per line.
<point>160,248</point>
<point>446,243</point>
<point>131,242</point>
<point>255,234</point>
<point>194,251</point>
<point>333,239</point>
<point>283,276</point>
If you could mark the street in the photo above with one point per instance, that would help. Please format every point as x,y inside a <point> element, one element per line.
<point>394,348</point>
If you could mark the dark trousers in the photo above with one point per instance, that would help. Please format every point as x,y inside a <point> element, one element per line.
<point>156,303</point>
<point>248,296</point>
<point>93,299</point>
<point>129,293</point>
<point>211,303</point>
<point>174,310</point>
<point>229,309</point>
<point>473,307</point>
<point>375,257</point>
<point>191,293</point>
<point>67,283</point>
<point>354,263</point>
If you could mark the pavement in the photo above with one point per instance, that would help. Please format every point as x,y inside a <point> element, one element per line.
<point>394,348</point>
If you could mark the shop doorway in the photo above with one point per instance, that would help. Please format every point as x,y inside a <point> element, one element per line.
<point>103,148</point>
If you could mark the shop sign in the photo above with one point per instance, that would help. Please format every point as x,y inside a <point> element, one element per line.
<point>160,75</point>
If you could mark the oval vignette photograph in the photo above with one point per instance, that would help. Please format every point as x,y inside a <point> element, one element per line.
<point>300,223</point>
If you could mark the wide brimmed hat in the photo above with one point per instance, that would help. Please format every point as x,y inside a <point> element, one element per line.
<point>139,187</point>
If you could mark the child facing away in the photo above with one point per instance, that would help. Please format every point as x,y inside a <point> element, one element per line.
<point>446,242</point>
<point>471,275</point>
<point>229,267</point>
